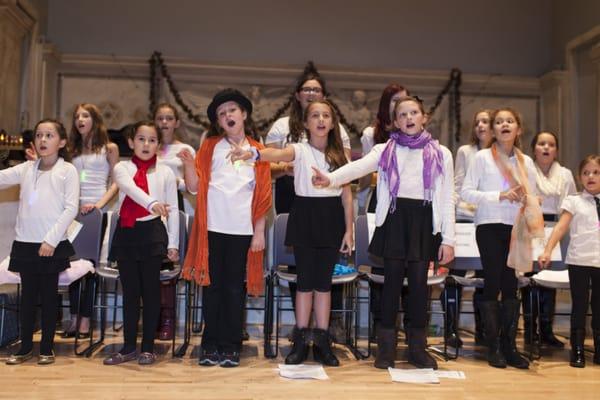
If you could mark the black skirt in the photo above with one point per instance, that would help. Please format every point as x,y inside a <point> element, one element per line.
<point>407,233</point>
<point>144,240</point>
<point>316,222</point>
<point>24,258</point>
<point>284,194</point>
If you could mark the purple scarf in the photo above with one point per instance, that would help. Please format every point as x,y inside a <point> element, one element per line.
<point>432,161</point>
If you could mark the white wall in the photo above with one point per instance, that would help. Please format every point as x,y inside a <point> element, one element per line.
<point>478,36</point>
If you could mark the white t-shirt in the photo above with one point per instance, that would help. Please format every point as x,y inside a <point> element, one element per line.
<point>94,170</point>
<point>584,243</point>
<point>306,157</point>
<point>281,129</point>
<point>367,139</point>
<point>168,156</point>
<point>230,193</point>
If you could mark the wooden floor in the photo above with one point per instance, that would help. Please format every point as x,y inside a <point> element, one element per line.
<point>86,378</point>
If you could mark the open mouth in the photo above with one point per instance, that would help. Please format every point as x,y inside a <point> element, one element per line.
<point>410,126</point>
<point>43,147</point>
<point>505,131</point>
<point>231,124</point>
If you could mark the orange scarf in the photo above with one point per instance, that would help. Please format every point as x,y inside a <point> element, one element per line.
<point>530,220</point>
<point>195,265</point>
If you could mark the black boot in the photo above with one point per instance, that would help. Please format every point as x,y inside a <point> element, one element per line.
<point>547,304</point>
<point>452,293</point>
<point>300,348</point>
<point>491,316</point>
<point>322,352</point>
<point>387,339</point>
<point>530,315</point>
<point>596,346</point>
<point>510,320</point>
<point>417,349</point>
<point>577,353</point>
<point>479,327</point>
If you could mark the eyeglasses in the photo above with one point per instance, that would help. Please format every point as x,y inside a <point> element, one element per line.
<point>595,172</point>
<point>309,90</point>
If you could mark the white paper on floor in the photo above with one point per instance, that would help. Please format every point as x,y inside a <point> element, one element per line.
<point>450,374</point>
<point>423,375</point>
<point>302,371</point>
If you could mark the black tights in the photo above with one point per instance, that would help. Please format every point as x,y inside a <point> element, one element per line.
<point>34,287</point>
<point>493,241</point>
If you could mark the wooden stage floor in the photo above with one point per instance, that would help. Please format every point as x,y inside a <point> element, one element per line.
<point>73,377</point>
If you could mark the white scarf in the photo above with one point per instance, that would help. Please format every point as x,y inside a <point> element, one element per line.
<point>551,185</point>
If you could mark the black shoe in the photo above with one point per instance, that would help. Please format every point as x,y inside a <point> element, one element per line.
<point>577,359</point>
<point>451,294</point>
<point>417,349</point>
<point>547,337</point>
<point>387,340</point>
<point>230,359</point>
<point>69,334</point>
<point>209,358</point>
<point>299,351</point>
<point>322,352</point>
<point>490,311</point>
<point>547,305</point>
<point>510,320</point>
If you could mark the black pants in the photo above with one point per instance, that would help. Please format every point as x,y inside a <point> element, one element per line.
<point>84,306</point>
<point>140,279</point>
<point>579,280</point>
<point>34,287</point>
<point>223,300</point>
<point>394,272</point>
<point>493,241</point>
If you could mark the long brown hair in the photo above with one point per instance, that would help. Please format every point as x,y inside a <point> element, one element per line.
<point>474,139</point>
<point>98,135</point>
<point>384,119</point>
<point>334,151</point>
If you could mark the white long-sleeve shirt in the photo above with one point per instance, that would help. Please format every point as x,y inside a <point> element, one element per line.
<point>48,200</point>
<point>483,184</point>
<point>162,187</point>
<point>410,167</point>
<point>464,158</point>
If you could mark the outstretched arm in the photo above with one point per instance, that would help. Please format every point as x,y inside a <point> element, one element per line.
<point>558,232</point>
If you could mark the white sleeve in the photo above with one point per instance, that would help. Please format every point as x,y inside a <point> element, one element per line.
<point>367,140</point>
<point>470,188</point>
<point>568,204</point>
<point>448,201</point>
<point>13,175</point>
<point>356,169</point>
<point>170,196</point>
<point>345,137</point>
<point>126,184</point>
<point>181,181</point>
<point>70,193</point>
<point>278,132</point>
<point>570,187</point>
<point>460,169</point>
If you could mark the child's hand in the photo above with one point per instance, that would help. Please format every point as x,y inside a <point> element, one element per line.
<point>30,153</point>
<point>186,157</point>
<point>288,168</point>
<point>347,243</point>
<point>513,194</point>
<point>445,254</point>
<point>258,241</point>
<point>86,208</point>
<point>319,179</point>
<point>238,153</point>
<point>46,250</point>
<point>544,260</point>
<point>161,209</point>
<point>173,255</point>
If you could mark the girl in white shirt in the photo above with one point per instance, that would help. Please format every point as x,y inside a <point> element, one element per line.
<point>148,191</point>
<point>553,182</point>
<point>319,226</point>
<point>495,183</point>
<point>48,203</point>
<point>415,203</point>
<point>581,215</point>
<point>94,156</point>
<point>166,118</point>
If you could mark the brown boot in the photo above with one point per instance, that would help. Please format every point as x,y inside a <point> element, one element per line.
<point>166,326</point>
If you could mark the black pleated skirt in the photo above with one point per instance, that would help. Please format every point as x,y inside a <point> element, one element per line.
<point>145,239</point>
<point>407,233</point>
<point>284,194</point>
<point>316,222</point>
<point>24,258</point>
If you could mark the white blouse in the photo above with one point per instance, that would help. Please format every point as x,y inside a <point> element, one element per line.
<point>281,129</point>
<point>464,158</point>
<point>48,200</point>
<point>167,155</point>
<point>162,187</point>
<point>584,243</point>
<point>483,184</point>
<point>306,157</point>
<point>94,170</point>
<point>230,193</point>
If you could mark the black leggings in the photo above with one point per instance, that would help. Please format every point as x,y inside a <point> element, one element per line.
<point>394,272</point>
<point>493,241</point>
<point>42,287</point>
<point>140,279</point>
<point>579,280</point>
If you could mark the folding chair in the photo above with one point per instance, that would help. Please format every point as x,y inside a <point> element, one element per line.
<point>283,256</point>
<point>365,259</point>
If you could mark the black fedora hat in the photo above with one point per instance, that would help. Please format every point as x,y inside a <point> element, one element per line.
<point>224,96</point>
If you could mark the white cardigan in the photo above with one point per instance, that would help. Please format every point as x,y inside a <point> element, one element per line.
<point>443,189</point>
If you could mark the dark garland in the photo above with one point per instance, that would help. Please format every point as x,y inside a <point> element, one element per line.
<point>157,63</point>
